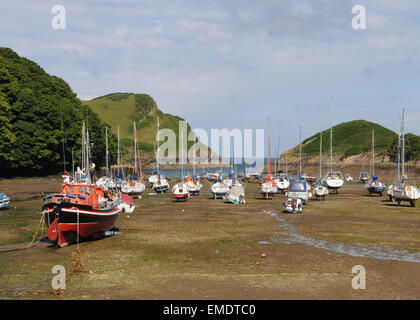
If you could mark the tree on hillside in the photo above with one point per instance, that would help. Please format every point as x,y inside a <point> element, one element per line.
<point>39,112</point>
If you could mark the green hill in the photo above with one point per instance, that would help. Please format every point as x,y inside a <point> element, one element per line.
<point>350,138</point>
<point>122,109</point>
<point>35,110</point>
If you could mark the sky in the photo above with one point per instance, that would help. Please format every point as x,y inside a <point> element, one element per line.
<point>215,62</point>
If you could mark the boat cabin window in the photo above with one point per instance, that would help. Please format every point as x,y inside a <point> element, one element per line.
<point>81,189</point>
<point>71,188</point>
<point>297,187</point>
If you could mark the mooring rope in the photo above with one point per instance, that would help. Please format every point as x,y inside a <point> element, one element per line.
<point>33,243</point>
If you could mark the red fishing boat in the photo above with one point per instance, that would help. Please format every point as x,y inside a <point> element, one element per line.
<point>82,210</point>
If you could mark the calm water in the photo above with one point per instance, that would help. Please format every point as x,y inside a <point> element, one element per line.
<point>239,168</point>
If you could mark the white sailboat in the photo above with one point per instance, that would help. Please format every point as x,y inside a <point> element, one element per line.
<point>193,183</point>
<point>180,191</point>
<point>160,185</point>
<point>106,182</point>
<point>404,191</point>
<point>334,179</point>
<point>375,186</point>
<point>320,189</point>
<point>364,176</point>
<point>135,186</point>
<point>268,187</point>
<point>219,189</point>
<point>4,201</point>
<point>282,180</point>
<point>236,192</point>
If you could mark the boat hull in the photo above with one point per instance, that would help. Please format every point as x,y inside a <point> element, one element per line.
<point>67,224</point>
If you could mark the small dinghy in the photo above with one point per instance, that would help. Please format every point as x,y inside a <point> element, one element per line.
<point>180,191</point>
<point>293,205</point>
<point>236,194</point>
<point>320,190</point>
<point>4,201</point>
<point>268,188</point>
<point>282,183</point>
<point>219,189</point>
<point>127,204</point>
<point>194,185</point>
<point>348,177</point>
<point>161,185</point>
<point>364,177</point>
<point>299,190</point>
<point>375,186</point>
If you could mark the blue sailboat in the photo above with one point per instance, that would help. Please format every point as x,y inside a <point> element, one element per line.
<point>4,201</point>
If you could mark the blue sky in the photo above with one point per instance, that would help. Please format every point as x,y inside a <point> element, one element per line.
<point>216,61</point>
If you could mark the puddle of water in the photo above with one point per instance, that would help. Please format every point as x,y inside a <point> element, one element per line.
<point>289,235</point>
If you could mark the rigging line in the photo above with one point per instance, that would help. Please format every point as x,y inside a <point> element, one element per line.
<point>63,138</point>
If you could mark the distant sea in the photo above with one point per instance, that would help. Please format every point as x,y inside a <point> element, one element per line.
<point>238,168</point>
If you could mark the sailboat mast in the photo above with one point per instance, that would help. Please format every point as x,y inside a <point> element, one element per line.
<point>300,150</point>
<point>269,153</point>
<point>106,151</point>
<point>331,153</point>
<point>72,162</point>
<point>135,149</point>
<point>320,155</point>
<point>138,151</point>
<point>232,157</point>
<point>87,157</point>
<point>373,152</point>
<point>118,151</point>
<point>83,145</point>
<point>403,146</point>
<point>158,147</point>
<point>276,167</point>
<point>279,153</point>
<point>194,156</point>
<point>182,151</point>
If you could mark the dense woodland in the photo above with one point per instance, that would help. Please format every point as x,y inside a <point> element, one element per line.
<point>38,112</point>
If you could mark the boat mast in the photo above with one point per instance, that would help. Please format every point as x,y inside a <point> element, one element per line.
<point>331,153</point>
<point>194,156</point>
<point>106,151</point>
<point>158,147</point>
<point>373,152</point>
<point>403,146</point>
<point>135,150</point>
<point>300,150</point>
<point>320,155</point>
<point>118,151</point>
<point>63,137</point>
<point>269,152</point>
<point>87,157</point>
<point>139,159</point>
<point>182,151</point>
<point>276,166</point>
<point>231,146</point>
<point>279,153</point>
<point>83,145</point>
<point>72,162</point>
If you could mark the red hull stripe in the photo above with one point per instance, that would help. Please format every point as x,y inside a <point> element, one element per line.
<point>181,195</point>
<point>92,212</point>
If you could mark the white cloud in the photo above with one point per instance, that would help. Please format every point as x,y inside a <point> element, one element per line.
<point>210,61</point>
